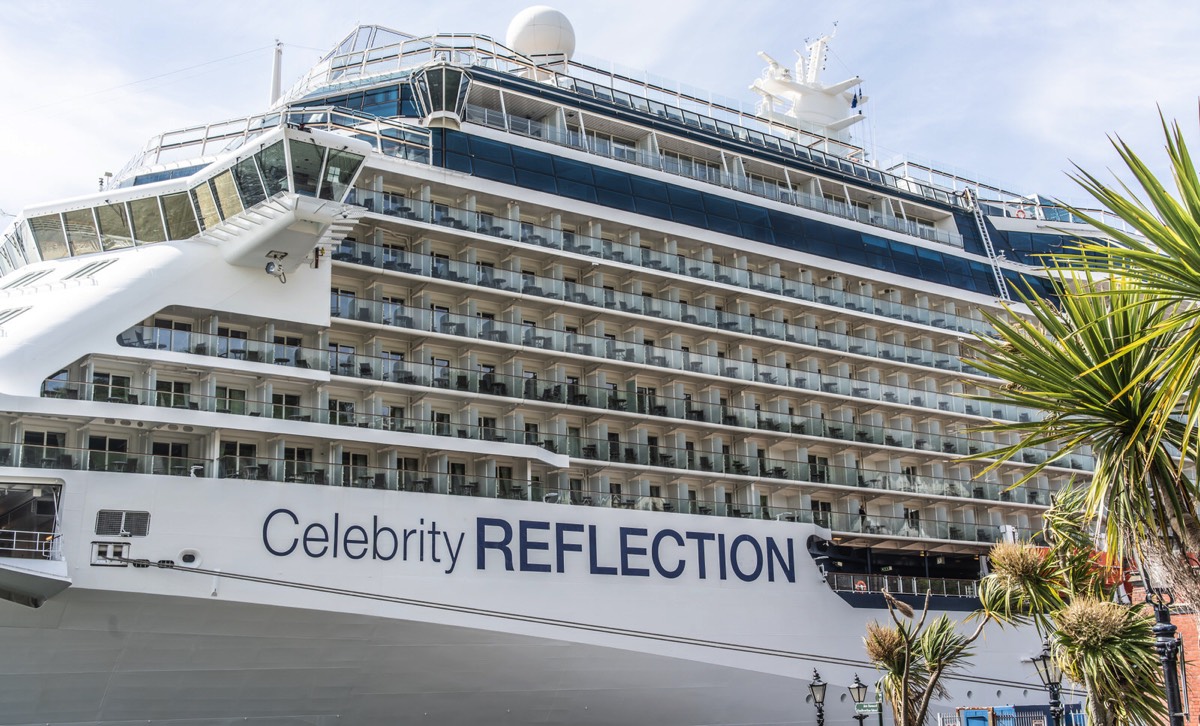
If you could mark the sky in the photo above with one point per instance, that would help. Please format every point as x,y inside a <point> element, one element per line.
<point>1009,93</point>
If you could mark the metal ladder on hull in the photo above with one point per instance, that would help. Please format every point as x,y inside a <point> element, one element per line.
<point>977,210</point>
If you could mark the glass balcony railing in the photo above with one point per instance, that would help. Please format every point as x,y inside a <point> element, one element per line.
<point>636,450</point>
<point>415,263</point>
<point>461,484</point>
<point>574,140</point>
<point>488,224</point>
<point>61,457</point>
<point>561,341</point>
<point>447,377</point>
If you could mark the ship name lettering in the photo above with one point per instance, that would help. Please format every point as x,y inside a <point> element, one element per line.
<point>551,547</point>
<point>282,535</point>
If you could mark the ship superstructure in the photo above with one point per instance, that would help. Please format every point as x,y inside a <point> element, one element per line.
<point>617,373</point>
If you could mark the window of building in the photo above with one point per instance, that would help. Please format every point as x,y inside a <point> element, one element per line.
<point>297,463</point>
<point>287,406</point>
<point>342,412</point>
<point>110,387</point>
<point>106,453</point>
<point>174,394</point>
<point>231,400</point>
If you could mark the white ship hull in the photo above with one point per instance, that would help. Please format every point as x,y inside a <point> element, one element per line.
<point>295,638</point>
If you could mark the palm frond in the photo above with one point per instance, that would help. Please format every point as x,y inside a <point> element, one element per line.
<point>1110,647</point>
<point>1085,363</point>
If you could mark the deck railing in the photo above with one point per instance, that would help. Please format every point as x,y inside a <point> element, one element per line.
<point>590,494</point>
<point>901,585</point>
<point>30,545</point>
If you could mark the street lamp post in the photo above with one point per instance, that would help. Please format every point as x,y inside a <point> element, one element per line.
<point>858,692</point>
<point>817,690</point>
<point>1167,646</point>
<point>879,700</point>
<point>1051,676</point>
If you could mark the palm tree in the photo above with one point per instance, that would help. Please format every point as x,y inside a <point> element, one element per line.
<point>1093,366</point>
<point>1104,645</point>
<point>914,655</point>
<point>1114,362</point>
<point>1163,262</point>
<point>1062,592</point>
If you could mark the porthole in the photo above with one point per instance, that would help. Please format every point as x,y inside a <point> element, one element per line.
<point>189,558</point>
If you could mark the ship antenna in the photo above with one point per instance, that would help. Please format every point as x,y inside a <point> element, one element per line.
<point>276,71</point>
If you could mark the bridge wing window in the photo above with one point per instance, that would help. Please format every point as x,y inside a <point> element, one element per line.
<point>307,162</point>
<point>228,201</point>
<point>49,236</point>
<point>147,220</point>
<point>249,184</point>
<point>442,89</point>
<point>339,170</point>
<point>81,231</point>
<point>206,205</point>
<point>181,219</point>
<point>114,226</point>
<point>274,168</point>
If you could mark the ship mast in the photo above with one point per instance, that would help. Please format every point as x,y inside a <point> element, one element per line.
<point>276,71</point>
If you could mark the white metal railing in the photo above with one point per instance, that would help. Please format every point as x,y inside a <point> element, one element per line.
<point>533,129</point>
<point>391,53</point>
<point>901,585</point>
<point>204,143</point>
<point>30,545</point>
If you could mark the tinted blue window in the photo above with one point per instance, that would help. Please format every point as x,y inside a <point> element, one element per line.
<point>555,175</point>
<point>981,276</point>
<point>408,105</point>
<point>904,257</point>
<point>620,200</point>
<point>720,206</point>
<point>576,190</point>
<point>611,180</point>
<point>724,226</point>
<point>458,143</point>
<point>876,252</point>
<point>164,175</point>
<point>573,170</point>
<point>491,150</point>
<point>752,214</point>
<point>652,208</point>
<point>491,170</point>
<point>462,162</point>
<point>533,161</point>
<point>534,180</point>
<point>789,230</point>
<point>381,95</point>
<point>650,189</point>
<point>758,233</point>
<point>682,197</point>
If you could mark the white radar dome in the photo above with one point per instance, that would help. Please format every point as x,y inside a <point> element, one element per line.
<point>541,31</point>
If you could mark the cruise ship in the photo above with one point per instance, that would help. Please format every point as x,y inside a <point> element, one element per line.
<point>471,382</point>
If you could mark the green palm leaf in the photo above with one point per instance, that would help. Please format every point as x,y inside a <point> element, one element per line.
<point>1087,363</point>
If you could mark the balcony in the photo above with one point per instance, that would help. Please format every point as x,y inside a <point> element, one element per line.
<point>548,237</point>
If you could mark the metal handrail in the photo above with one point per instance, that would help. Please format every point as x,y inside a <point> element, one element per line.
<point>30,544</point>
<point>901,584</point>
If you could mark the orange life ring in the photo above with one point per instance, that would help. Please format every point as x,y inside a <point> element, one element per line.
<point>860,586</point>
<point>1020,214</point>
